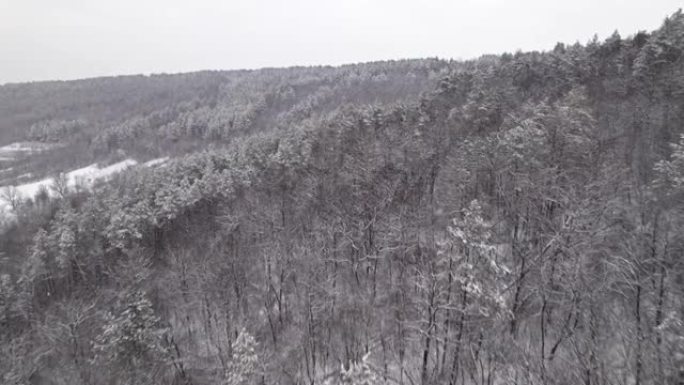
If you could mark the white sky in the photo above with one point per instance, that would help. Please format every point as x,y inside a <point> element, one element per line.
<point>68,39</point>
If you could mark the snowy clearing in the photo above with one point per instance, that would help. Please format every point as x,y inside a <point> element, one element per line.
<point>84,177</point>
<point>10,151</point>
<point>156,162</point>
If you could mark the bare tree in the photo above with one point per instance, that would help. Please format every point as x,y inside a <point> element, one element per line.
<point>10,195</point>
<point>60,185</point>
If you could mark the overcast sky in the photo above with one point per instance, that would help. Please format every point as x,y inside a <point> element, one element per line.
<point>68,39</point>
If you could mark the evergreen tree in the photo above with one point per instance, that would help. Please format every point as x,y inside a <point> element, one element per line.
<point>132,339</point>
<point>244,363</point>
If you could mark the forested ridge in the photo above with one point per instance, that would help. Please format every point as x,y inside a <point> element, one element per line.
<point>515,219</point>
<point>145,116</point>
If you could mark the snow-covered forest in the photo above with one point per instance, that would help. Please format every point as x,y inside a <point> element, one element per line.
<point>514,219</point>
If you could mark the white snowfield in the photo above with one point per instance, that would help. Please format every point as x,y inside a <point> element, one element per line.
<point>18,146</point>
<point>10,151</point>
<point>156,162</point>
<point>24,147</point>
<point>83,178</point>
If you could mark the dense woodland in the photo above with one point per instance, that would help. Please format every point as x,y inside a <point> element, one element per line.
<point>147,116</point>
<point>515,219</point>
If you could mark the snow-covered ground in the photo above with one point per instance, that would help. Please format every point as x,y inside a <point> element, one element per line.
<point>18,151</point>
<point>86,176</point>
<point>156,162</point>
<point>10,151</point>
<point>83,177</point>
<point>23,176</point>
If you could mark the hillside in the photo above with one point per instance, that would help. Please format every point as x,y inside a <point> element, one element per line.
<point>514,219</point>
<point>146,116</point>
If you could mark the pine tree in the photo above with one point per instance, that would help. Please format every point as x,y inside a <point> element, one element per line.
<point>133,337</point>
<point>481,272</point>
<point>36,265</point>
<point>243,365</point>
<point>7,302</point>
